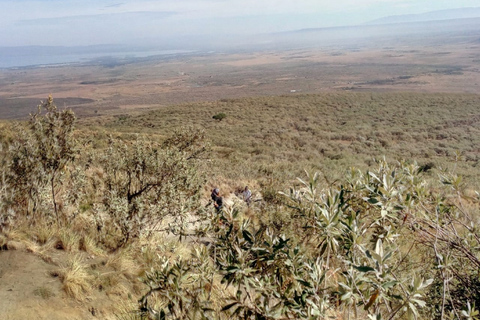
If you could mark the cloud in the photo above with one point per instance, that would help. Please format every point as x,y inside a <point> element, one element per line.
<point>107,21</point>
<point>115,5</point>
<point>106,18</point>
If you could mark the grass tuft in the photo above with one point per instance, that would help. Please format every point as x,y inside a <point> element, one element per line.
<point>76,280</point>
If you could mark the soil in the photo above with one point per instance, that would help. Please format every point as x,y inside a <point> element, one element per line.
<point>29,291</point>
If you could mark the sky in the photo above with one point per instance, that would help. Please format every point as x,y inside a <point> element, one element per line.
<point>90,22</point>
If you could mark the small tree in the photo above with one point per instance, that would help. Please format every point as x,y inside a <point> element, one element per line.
<point>42,152</point>
<point>52,134</point>
<point>146,182</point>
<point>219,116</point>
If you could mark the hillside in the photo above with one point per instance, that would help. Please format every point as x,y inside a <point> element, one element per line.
<point>128,232</point>
<point>452,14</point>
<point>328,132</point>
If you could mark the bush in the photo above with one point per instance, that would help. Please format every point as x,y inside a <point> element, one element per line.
<point>39,156</point>
<point>219,116</point>
<point>147,182</point>
<point>368,248</point>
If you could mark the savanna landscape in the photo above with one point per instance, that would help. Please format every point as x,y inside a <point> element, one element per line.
<point>363,161</point>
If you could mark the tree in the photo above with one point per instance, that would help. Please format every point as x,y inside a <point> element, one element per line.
<point>52,135</point>
<point>147,182</point>
<point>43,151</point>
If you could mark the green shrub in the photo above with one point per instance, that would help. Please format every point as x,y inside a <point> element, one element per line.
<point>379,244</point>
<point>37,159</point>
<point>148,182</point>
<point>219,116</point>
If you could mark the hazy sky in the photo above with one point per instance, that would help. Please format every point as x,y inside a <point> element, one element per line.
<point>86,22</point>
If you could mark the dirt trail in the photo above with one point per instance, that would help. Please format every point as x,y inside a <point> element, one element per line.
<point>28,291</point>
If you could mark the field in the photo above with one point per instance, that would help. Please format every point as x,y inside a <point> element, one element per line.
<point>125,228</point>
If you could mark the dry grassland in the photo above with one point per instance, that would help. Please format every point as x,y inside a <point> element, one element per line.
<point>96,90</point>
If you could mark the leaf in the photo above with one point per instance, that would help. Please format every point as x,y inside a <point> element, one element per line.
<point>373,176</point>
<point>247,236</point>
<point>364,268</point>
<point>346,296</point>
<point>412,307</point>
<point>304,283</point>
<point>372,299</point>
<point>228,306</point>
<point>379,248</point>
<point>389,284</point>
<point>420,303</point>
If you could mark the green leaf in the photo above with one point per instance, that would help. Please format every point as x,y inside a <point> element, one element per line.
<point>228,306</point>
<point>346,296</point>
<point>364,268</point>
<point>389,284</point>
<point>247,236</point>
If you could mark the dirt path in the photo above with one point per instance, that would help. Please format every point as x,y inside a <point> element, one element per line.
<point>28,291</point>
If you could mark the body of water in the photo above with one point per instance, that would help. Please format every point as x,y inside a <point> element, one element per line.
<point>18,58</point>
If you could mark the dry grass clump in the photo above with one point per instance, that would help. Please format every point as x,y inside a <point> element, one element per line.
<point>43,233</point>
<point>90,245</point>
<point>126,310</point>
<point>124,262</point>
<point>76,280</point>
<point>68,240</point>
<point>13,240</point>
<point>14,235</point>
<point>3,241</point>
<point>149,251</point>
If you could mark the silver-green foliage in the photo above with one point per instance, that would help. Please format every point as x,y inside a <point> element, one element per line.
<point>149,184</point>
<point>386,231</point>
<point>39,156</point>
<point>382,244</point>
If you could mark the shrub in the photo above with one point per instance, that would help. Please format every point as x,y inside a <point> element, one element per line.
<point>369,247</point>
<point>147,182</point>
<point>45,147</point>
<point>219,116</point>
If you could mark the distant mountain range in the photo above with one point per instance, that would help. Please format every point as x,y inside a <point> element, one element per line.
<point>461,13</point>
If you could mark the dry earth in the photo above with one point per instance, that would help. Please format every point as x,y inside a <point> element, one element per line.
<point>28,291</point>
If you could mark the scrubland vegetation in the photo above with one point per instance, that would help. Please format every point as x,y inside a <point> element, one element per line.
<point>382,224</point>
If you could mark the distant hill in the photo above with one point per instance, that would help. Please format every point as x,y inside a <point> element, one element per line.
<point>461,13</point>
